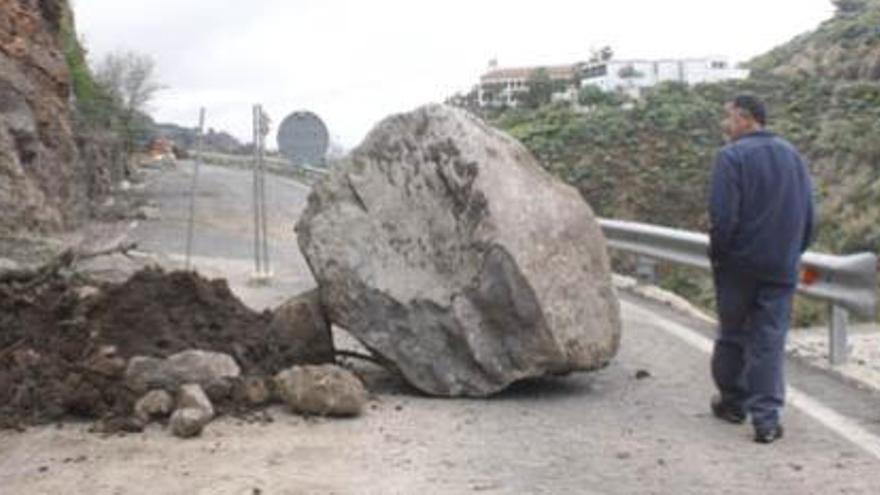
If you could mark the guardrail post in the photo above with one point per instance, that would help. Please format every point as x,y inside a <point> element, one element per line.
<point>646,270</point>
<point>837,345</point>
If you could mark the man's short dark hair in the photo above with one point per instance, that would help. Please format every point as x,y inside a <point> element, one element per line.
<point>753,106</point>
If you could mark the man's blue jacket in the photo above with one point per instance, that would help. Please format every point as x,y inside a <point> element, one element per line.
<point>760,207</point>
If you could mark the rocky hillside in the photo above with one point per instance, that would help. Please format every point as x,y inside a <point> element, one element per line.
<point>45,183</point>
<point>38,156</point>
<point>844,48</point>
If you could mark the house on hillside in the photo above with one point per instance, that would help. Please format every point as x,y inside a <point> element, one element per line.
<point>505,87</point>
<point>501,87</point>
<point>632,76</point>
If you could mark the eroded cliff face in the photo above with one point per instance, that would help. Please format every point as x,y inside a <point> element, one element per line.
<point>43,183</point>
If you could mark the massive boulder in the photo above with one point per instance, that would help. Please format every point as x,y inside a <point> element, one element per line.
<point>445,248</point>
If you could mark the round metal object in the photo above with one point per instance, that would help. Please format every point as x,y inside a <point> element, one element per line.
<point>303,138</point>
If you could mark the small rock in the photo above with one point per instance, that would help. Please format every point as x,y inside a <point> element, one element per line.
<point>106,361</point>
<point>642,374</point>
<point>118,425</point>
<point>147,213</point>
<point>26,357</point>
<point>301,330</point>
<point>144,373</point>
<point>202,367</point>
<point>325,390</point>
<point>155,403</point>
<point>188,422</point>
<point>8,264</point>
<point>193,366</point>
<point>488,486</point>
<point>87,291</point>
<point>254,390</point>
<point>219,390</point>
<point>191,396</point>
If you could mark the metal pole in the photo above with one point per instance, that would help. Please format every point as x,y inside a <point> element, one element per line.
<point>262,166</point>
<point>257,261</point>
<point>837,342</point>
<point>193,186</point>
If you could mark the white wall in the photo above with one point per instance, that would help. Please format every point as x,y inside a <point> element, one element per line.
<point>691,71</point>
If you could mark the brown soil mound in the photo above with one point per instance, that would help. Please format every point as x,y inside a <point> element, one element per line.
<point>55,338</point>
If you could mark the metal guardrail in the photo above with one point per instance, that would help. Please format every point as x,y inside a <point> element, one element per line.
<point>846,283</point>
<point>275,165</point>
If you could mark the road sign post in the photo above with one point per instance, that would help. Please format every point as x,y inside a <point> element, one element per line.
<point>192,191</point>
<point>262,268</point>
<point>303,139</point>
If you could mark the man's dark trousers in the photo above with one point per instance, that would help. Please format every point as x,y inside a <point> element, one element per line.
<point>749,357</point>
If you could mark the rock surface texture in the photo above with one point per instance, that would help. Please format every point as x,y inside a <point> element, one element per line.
<point>205,368</point>
<point>445,248</point>
<point>188,422</point>
<point>301,330</point>
<point>43,183</point>
<point>324,390</point>
<point>156,403</point>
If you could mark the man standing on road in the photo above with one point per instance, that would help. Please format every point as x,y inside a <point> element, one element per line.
<point>761,211</point>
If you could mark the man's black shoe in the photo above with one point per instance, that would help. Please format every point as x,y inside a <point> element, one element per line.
<point>725,411</point>
<point>768,435</point>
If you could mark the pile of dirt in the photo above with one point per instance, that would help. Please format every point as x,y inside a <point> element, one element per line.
<point>65,341</point>
<point>159,314</point>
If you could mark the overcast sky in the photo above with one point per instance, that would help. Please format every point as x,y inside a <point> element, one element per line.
<point>354,62</point>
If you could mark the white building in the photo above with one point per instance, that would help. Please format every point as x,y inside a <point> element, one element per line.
<point>632,76</point>
<point>503,87</point>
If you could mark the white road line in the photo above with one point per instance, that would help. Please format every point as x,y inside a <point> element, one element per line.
<point>831,419</point>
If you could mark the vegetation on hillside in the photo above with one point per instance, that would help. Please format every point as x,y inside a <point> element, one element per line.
<point>650,159</point>
<point>92,103</point>
<point>113,96</point>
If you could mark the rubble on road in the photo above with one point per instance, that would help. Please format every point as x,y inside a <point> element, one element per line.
<point>72,346</point>
<point>326,390</point>
<point>188,422</point>
<point>191,396</point>
<point>156,403</point>
<point>193,366</point>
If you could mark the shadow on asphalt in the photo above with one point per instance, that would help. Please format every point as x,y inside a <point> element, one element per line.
<point>383,382</point>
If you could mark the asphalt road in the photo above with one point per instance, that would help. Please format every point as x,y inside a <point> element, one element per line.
<point>598,433</point>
